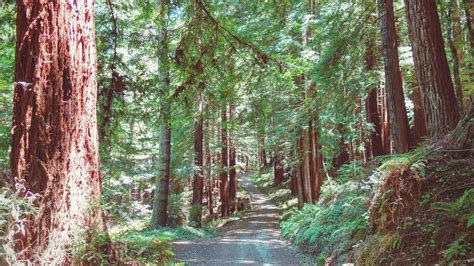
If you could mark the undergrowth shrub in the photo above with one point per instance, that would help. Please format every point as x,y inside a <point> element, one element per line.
<point>13,211</point>
<point>426,200</point>
<point>336,223</point>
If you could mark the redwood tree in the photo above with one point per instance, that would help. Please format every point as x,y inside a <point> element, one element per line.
<point>160,200</point>
<point>198,180</point>
<point>55,143</point>
<point>232,154</point>
<point>224,180</point>
<point>436,87</point>
<point>393,79</point>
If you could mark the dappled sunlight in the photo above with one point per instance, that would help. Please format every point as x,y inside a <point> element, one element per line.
<point>256,236</point>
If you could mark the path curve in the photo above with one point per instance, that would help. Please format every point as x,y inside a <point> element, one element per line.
<point>254,240</point>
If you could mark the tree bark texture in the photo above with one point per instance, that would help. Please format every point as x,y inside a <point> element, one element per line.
<point>453,35</point>
<point>436,87</point>
<point>373,114</point>
<point>224,184</point>
<point>160,200</point>
<point>55,141</point>
<point>198,180</point>
<point>393,78</point>
<point>419,124</point>
<point>232,154</point>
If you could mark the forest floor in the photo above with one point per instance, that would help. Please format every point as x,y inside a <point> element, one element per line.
<point>255,239</point>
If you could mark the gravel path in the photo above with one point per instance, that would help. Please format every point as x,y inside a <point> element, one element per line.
<point>254,240</point>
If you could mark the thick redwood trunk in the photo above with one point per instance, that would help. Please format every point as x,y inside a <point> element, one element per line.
<point>232,155</point>
<point>55,148</point>
<point>436,87</point>
<point>393,78</point>
<point>198,180</point>
<point>224,184</point>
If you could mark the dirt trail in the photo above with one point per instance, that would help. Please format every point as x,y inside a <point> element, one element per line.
<point>254,240</point>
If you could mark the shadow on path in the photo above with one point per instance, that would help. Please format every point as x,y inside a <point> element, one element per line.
<point>254,240</point>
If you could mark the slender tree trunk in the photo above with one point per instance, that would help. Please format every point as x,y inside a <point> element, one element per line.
<point>373,115</point>
<point>453,35</point>
<point>208,163</point>
<point>419,124</point>
<point>224,184</point>
<point>393,78</point>
<point>298,177</point>
<point>313,162</point>
<point>278,170</point>
<point>386,139</point>
<point>55,141</point>
<point>160,200</point>
<point>232,154</point>
<point>198,180</point>
<point>436,87</point>
<point>469,11</point>
<point>304,167</point>
<point>262,155</point>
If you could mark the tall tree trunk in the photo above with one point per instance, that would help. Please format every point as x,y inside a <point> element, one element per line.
<point>373,115</point>
<point>278,170</point>
<point>436,87</point>
<point>469,11</point>
<point>419,124</point>
<point>393,78</point>
<point>232,154</point>
<point>116,83</point>
<point>386,139</point>
<point>54,143</point>
<point>198,180</point>
<point>304,167</point>
<point>262,155</point>
<point>208,163</point>
<point>160,200</point>
<point>299,180</point>
<point>453,35</point>
<point>224,184</point>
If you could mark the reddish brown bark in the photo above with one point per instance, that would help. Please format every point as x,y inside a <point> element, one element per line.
<point>373,116</point>
<point>393,79</point>
<point>232,154</point>
<point>436,86</point>
<point>419,124</point>
<point>386,140</point>
<point>208,163</point>
<point>278,170</point>
<point>313,162</point>
<point>224,184</point>
<point>198,180</point>
<point>54,144</point>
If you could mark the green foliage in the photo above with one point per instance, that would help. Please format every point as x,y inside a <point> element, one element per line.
<point>333,226</point>
<point>460,209</point>
<point>7,58</point>
<point>92,249</point>
<point>145,248</point>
